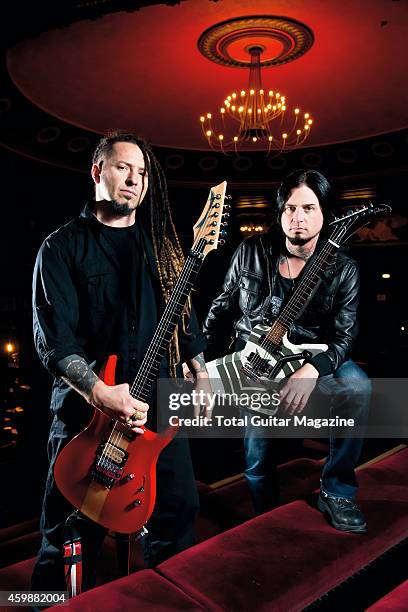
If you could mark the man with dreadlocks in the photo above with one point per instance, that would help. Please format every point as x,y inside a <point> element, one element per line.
<point>99,283</point>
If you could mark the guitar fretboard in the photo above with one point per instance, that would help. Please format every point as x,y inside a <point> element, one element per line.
<point>149,368</point>
<point>303,292</point>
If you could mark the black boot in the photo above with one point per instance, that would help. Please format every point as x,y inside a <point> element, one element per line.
<point>344,514</point>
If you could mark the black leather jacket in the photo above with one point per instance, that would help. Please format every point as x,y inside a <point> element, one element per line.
<point>330,317</point>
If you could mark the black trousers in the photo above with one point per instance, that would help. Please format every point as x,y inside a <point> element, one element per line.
<point>171,526</point>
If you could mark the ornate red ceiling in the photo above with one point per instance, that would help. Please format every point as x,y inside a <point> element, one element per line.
<point>143,71</point>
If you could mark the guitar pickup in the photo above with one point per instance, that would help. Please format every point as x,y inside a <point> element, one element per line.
<point>109,464</point>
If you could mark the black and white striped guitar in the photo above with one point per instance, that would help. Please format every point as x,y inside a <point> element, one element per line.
<point>269,355</point>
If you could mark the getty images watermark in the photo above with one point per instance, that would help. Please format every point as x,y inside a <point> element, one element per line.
<point>254,402</point>
<point>216,412</point>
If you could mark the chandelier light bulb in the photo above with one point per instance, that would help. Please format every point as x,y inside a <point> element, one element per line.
<point>255,115</point>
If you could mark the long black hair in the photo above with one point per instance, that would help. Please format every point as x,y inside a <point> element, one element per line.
<point>316,182</point>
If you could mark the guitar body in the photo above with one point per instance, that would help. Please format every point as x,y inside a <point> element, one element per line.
<point>256,364</point>
<point>109,473</point>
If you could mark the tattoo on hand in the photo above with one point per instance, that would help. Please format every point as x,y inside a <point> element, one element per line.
<point>75,371</point>
<point>197,364</point>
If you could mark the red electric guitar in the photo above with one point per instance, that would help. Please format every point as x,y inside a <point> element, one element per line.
<point>107,471</point>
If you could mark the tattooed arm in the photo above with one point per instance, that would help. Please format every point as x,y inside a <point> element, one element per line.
<point>115,401</point>
<point>75,371</point>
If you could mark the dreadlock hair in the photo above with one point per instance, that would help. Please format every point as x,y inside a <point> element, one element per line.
<point>167,250</point>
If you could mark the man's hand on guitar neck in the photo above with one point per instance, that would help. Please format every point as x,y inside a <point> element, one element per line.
<point>296,391</point>
<point>115,401</point>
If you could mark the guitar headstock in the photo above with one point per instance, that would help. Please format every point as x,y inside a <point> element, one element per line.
<point>210,229</point>
<point>348,224</point>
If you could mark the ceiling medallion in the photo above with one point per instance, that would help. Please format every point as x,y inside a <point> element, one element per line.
<point>217,42</point>
<point>255,42</point>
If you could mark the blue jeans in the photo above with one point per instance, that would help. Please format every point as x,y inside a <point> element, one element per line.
<point>349,393</point>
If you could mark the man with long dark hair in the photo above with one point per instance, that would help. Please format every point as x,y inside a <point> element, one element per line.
<point>99,285</point>
<point>263,273</point>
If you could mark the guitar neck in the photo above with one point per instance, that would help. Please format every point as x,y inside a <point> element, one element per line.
<point>149,368</point>
<point>303,292</point>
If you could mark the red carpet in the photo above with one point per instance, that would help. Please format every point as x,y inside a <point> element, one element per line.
<point>221,508</point>
<point>280,562</point>
<point>395,601</point>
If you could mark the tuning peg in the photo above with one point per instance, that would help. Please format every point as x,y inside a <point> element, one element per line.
<point>223,233</point>
<point>228,197</point>
<point>216,214</point>
<point>224,224</point>
<point>227,206</point>
<point>221,242</point>
<point>225,215</point>
<point>216,205</point>
<point>214,223</point>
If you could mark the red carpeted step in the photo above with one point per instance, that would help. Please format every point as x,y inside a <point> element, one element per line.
<point>221,508</point>
<point>18,549</point>
<point>15,531</point>
<point>17,576</point>
<point>230,505</point>
<point>280,561</point>
<point>394,601</point>
<point>289,557</point>
<point>149,593</point>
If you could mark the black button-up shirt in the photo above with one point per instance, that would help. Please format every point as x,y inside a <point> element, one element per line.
<point>84,303</point>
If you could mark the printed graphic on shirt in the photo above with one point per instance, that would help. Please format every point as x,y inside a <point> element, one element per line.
<point>276,303</point>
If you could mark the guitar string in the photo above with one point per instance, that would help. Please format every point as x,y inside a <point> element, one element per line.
<point>165,317</point>
<point>316,268</point>
<point>168,314</point>
<point>310,276</point>
<point>116,435</point>
<point>187,269</point>
<point>292,307</point>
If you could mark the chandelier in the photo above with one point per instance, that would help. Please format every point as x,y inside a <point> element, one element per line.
<point>258,117</point>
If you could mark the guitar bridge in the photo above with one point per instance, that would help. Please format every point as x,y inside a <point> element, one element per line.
<point>262,369</point>
<point>109,464</point>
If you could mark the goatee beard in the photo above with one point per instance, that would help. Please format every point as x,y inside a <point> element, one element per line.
<point>298,240</point>
<point>119,209</point>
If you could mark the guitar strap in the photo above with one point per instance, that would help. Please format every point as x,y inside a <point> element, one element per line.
<point>72,556</point>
